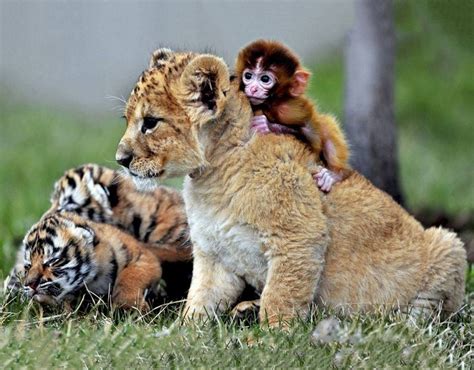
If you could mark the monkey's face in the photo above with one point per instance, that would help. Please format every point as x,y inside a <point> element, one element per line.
<point>258,83</point>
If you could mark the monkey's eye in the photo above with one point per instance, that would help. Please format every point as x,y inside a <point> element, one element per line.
<point>267,80</point>
<point>149,123</point>
<point>247,75</point>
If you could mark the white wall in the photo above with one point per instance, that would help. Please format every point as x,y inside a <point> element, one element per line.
<point>77,52</point>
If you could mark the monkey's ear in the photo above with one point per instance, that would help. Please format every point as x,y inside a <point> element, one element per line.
<point>300,81</point>
<point>205,83</point>
<point>159,57</point>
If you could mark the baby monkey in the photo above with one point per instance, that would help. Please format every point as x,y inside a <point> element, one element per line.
<point>275,82</point>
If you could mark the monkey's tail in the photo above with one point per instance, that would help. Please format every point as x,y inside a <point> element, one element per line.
<point>335,147</point>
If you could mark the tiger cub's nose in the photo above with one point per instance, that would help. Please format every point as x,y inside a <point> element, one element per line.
<point>32,283</point>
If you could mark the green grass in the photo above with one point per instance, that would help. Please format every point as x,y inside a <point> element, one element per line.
<point>37,146</point>
<point>32,338</point>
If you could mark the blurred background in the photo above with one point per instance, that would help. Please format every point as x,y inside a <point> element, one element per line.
<point>399,75</point>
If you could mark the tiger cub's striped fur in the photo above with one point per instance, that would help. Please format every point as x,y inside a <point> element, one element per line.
<point>63,254</point>
<point>101,194</point>
<point>157,219</point>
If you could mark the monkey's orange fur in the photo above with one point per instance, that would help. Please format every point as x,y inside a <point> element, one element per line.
<point>283,107</point>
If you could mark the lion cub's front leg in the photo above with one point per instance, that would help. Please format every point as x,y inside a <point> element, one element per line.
<point>213,288</point>
<point>291,283</point>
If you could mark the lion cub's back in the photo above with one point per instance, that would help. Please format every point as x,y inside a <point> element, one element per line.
<point>381,246</point>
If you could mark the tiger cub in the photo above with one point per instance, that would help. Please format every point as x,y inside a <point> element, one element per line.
<point>63,254</point>
<point>156,218</point>
<point>100,194</point>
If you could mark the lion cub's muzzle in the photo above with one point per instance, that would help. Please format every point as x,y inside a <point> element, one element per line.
<point>123,156</point>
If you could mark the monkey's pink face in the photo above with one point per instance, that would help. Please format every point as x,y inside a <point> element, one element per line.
<point>258,83</point>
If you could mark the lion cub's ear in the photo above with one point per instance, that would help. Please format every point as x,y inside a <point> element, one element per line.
<point>159,57</point>
<point>204,84</point>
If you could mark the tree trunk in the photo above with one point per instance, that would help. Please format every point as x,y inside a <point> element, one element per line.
<point>369,105</point>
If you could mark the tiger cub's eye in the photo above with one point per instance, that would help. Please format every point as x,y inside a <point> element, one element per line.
<point>51,262</point>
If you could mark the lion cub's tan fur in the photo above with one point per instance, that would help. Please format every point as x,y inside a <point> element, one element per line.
<point>256,216</point>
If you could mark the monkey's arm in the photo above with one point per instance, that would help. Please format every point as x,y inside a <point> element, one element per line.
<point>262,125</point>
<point>285,116</point>
<point>292,112</point>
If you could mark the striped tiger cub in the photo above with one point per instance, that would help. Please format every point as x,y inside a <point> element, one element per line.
<point>157,219</point>
<point>103,195</point>
<point>64,254</point>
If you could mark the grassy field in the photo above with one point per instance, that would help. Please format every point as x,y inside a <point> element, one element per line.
<point>31,338</point>
<point>434,90</point>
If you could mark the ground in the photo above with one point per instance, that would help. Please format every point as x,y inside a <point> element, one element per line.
<point>101,339</point>
<point>434,110</point>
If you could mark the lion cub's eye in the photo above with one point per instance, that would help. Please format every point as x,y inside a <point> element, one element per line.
<point>150,123</point>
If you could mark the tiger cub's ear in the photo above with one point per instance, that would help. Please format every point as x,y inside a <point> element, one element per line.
<point>98,192</point>
<point>87,234</point>
<point>204,85</point>
<point>159,57</point>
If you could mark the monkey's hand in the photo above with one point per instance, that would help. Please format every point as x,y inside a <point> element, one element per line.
<point>326,179</point>
<point>260,124</point>
<point>278,128</point>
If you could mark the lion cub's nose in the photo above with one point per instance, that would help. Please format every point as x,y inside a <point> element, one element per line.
<point>124,160</point>
<point>123,156</point>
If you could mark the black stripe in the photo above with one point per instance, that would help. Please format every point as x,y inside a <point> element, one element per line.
<point>113,197</point>
<point>113,272</point>
<point>100,171</point>
<point>51,231</point>
<point>183,238</point>
<point>152,225</point>
<point>90,214</point>
<point>46,240</point>
<point>80,172</point>
<point>136,223</point>
<point>71,182</point>
<point>165,238</point>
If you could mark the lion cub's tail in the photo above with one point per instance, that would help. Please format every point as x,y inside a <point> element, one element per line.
<point>445,271</point>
